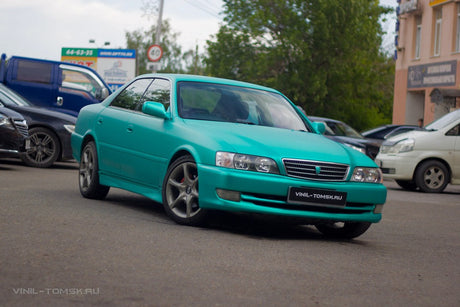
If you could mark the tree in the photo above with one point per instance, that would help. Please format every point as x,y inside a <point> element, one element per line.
<point>323,54</point>
<point>172,59</point>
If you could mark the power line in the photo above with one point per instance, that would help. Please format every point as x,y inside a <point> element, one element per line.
<point>204,7</point>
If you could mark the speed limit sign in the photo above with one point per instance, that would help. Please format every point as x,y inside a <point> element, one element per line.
<point>154,53</point>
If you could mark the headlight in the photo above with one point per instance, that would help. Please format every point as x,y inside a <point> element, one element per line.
<point>70,128</point>
<point>401,146</point>
<point>367,174</point>
<point>246,162</point>
<point>5,121</point>
<point>360,149</point>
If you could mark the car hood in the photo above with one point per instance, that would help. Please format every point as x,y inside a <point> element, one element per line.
<point>277,143</point>
<point>415,134</point>
<point>356,141</point>
<point>10,113</point>
<point>35,112</point>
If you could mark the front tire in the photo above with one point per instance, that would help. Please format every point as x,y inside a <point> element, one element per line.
<point>407,185</point>
<point>346,230</point>
<point>180,193</point>
<point>432,176</point>
<point>44,148</point>
<point>88,174</point>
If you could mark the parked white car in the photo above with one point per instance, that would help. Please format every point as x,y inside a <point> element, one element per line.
<point>427,159</point>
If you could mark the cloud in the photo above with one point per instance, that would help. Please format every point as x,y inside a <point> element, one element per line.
<point>40,28</point>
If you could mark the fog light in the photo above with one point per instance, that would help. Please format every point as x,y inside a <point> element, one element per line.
<point>378,209</point>
<point>229,195</point>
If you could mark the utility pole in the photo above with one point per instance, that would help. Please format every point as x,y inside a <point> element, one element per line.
<point>160,17</point>
<point>158,34</point>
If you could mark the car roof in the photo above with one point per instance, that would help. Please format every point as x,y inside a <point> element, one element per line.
<point>207,79</point>
<point>383,127</point>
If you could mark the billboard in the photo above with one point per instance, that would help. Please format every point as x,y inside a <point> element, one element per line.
<point>115,66</point>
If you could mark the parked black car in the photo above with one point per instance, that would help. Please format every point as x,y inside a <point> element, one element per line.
<point>14,137</point>
<point>49,130</point>
<point>384,132</point>
<point>343,133</point>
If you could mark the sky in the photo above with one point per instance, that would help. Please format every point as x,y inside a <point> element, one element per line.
<point>40,28</point>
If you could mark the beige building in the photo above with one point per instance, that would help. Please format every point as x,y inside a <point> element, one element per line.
<point>427,80</point>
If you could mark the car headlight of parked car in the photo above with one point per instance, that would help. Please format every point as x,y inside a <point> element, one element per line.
<point>398,147</point>
<point>246,162</point>
<point>367,174</point>
<point>70,128</point>
<point>5,121</point>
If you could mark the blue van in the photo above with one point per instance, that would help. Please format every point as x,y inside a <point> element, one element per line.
<point>60,86</point>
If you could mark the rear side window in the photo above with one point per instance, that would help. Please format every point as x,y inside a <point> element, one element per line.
<point>31,71</point>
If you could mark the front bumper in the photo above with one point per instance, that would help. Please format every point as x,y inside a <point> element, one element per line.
<point>268,193</point>
<point>12,143</point>
<point>66,145</point>
<point>399,167</point>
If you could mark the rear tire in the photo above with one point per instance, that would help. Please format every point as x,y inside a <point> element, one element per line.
<point>346,230</point>
<point>88,174</point>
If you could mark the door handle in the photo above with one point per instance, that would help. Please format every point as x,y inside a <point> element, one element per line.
<point>59,101</point>
<point>129,129</point>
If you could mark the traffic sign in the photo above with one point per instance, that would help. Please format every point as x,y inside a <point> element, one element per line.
<point>154,53</point>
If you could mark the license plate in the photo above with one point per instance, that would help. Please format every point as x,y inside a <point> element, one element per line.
<point>317,197</point>
<point>27,144</point>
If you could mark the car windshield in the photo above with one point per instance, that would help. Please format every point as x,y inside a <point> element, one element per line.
<point>341,129</point>
<point>9,97</point>
<point>217,102</point>
<point>444,121</point>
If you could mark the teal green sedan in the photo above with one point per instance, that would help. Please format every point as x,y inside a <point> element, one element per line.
<point>198,144</point>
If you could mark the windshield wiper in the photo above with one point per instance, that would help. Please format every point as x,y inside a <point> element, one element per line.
<point>243,121</point>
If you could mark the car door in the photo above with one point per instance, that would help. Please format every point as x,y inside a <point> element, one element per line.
<point>114,130</point>
<point>150,138</point>
<point>77,88</point>
<point>455,134</point>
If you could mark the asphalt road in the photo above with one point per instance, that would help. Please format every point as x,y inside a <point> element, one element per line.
<point>59,249</point>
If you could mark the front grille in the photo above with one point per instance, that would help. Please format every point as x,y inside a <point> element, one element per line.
<point>22,127</point>
<point>315,170</point>
<point>280,202</point>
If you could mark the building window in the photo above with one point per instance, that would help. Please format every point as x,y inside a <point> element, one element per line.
<point>457,35</point>
<point>418,36</point>
<point>437,32</point>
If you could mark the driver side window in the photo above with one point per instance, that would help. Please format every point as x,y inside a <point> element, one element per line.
<point>131,95</point>
<point>454,131</point>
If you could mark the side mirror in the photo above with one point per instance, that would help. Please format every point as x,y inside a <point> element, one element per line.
<point>319,127</point>
<point>156,109</point>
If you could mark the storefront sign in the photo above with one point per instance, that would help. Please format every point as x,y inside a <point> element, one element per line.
<point>437,2</point>
<point>431,75</point>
